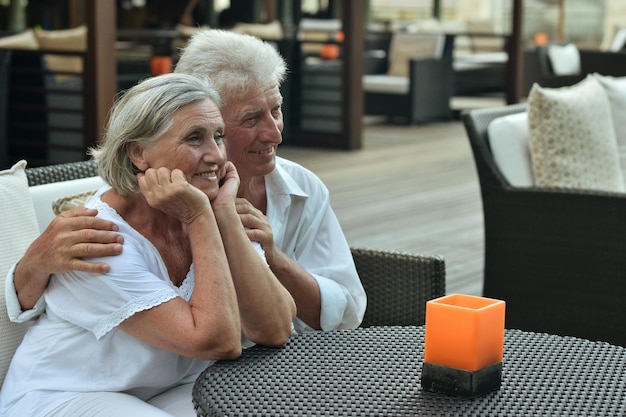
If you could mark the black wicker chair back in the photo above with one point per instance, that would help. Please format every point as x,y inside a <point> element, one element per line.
<point>61,172</point>
<point>398,285</point>
<point>556,256</point>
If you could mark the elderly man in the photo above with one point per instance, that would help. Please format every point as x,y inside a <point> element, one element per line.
<point>282,205</point>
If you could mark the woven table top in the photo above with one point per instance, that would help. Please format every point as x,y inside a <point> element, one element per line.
<point>376,372</point>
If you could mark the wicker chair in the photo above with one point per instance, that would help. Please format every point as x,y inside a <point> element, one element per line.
<point>61,172</point>
<point>429,86</point>
<point>556,256</point>
<point>398,285</point>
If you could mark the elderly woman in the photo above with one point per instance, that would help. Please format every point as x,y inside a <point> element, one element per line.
<point>188,289</point>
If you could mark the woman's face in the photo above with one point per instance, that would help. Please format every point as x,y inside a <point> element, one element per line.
<point>194,145</point>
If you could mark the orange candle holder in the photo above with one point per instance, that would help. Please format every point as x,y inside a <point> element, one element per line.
<point>464,345</point>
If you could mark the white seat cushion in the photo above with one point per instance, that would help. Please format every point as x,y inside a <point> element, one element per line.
<point>564,59</point>
<point>619,40</point>
<point>615,88</point>
<point>509,143</point>
<point>44,195</point>
<point>381,83</point>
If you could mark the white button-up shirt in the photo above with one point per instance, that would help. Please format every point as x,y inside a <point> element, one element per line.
<point>307,230</point>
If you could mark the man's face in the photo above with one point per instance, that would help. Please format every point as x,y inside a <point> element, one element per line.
<point>254,123</point>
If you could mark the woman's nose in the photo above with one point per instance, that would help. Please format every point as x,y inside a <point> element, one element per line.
<point>214,153</point>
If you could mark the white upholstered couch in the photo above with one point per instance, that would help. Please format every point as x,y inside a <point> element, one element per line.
<point>25,211</point>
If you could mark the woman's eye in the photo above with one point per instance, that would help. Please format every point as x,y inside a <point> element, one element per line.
<point>193,138</point>
<point>219,137</point>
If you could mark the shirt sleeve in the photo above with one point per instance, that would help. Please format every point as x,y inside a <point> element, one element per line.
<point>137,280</point>
<point>324,252</point>
<point>14,309</point>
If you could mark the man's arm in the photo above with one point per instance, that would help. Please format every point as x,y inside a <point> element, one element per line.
<point>319,271</point>
<point>73,235</point>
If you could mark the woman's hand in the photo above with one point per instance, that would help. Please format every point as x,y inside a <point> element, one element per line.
<point>169,192</point>
<point>228,187</point>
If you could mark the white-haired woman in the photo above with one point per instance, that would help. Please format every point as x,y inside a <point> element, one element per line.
<point>188,289</point>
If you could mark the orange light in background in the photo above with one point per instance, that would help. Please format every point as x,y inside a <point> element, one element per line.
<point>329,51</point>
<point>541,38</point>
<point>160,65</point>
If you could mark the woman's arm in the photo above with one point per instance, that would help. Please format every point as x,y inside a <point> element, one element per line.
<point>208,327</point>
<point>266,307</point>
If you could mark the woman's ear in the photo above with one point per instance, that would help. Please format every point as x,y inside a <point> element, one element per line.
<point>136,154</point>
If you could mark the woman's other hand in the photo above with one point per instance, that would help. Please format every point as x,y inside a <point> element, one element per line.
<point>169,192</point>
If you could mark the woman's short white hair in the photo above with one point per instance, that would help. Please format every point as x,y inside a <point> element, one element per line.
<point>236,63</point>
<point>141,115</point>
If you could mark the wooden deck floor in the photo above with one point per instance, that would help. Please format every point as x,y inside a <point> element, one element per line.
<point>411,189</point>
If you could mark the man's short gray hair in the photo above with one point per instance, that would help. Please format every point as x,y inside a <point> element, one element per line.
<point>236,63</point>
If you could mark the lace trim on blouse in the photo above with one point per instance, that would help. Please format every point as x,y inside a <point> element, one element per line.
<point>145,303</point>
<point>134,306</point>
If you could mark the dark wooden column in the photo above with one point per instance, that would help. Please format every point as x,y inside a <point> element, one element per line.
<point>352,72</point>
<point>100,66</point>
<point>516,56</point>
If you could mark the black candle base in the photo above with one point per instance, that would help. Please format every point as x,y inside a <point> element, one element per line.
<point>459,382</point>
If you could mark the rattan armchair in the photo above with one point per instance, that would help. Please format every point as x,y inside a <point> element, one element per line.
<point>61,172</point>
<point>398,285</point>
<point>556,256</point>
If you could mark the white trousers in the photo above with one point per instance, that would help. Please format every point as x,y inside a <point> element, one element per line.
<point>173,403</point>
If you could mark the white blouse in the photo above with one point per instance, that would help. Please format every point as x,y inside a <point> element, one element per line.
<point>76,347</point>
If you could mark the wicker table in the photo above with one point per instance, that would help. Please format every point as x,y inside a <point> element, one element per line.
<point>376,372</point>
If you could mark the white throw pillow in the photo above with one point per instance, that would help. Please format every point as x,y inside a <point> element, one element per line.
<point>564,59</point>
<point>615,88</point>
<point>509,142</point>
<point>18,228</point>
<point>572,140</point>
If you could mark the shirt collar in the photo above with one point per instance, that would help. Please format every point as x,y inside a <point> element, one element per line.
<point>279,182</point>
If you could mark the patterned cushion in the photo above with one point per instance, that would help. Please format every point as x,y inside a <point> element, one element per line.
<point>18,229</point>
<point>572,140</point>
<point>69,202</point>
